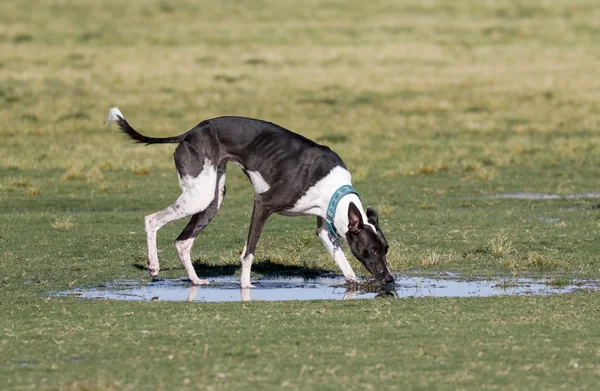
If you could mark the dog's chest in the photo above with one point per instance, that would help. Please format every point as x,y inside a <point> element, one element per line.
<point>315,199</point>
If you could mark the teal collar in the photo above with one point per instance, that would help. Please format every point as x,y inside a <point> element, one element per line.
<point>333,203</point>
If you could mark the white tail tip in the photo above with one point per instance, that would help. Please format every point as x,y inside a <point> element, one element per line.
<point>113,115</point>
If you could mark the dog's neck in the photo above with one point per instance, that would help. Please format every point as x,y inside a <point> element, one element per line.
<point>327,187</point>
<point>341,220</point>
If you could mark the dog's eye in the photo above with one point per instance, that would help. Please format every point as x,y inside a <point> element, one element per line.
<point>374,251</point>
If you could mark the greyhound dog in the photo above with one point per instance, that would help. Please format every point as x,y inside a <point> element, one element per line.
<point>291,175</point>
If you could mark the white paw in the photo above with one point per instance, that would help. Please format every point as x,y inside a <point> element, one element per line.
<point>153,270</point>
<point>246,285</point>
<point>197,281</point>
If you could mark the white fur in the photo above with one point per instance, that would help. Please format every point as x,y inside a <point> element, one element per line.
<point>334,248</point>
<point>258,182</point>
<point>246,267</point>
<point>113,115</point>
<point>260,185</point>
<point>245,275</point>
<point>221,191</point>
<point>184,248</point>
<point>316,200</point>
<point>199,190</point>
<point>197,194</point>
<point>341,220</point>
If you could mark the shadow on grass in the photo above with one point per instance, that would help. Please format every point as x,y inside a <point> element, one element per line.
<point>264,267</point>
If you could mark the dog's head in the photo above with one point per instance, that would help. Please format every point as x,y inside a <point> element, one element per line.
<point>368,244</point>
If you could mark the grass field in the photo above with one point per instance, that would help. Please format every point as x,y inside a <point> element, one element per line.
<point>435,106</point>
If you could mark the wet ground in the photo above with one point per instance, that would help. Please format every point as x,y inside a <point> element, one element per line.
<point>227,289</point>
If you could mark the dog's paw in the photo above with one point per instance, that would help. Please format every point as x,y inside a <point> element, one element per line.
<point>153,270</point>
<point>246,286</point>
<point>197,281</point>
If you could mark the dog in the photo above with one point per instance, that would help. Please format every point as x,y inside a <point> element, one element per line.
<point>291,176</point>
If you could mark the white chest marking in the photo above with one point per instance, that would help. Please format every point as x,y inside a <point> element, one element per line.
<point>316,199</point>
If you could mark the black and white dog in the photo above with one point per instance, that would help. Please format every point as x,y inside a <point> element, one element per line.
<point>291,175</point>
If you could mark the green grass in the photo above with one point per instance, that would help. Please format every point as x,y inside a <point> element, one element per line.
<point>434,106</point>
<point>517,343</point>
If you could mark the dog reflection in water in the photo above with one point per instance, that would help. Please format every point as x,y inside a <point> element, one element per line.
<point>351,292</point>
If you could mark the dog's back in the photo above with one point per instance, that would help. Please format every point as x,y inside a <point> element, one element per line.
<point>262,149</point>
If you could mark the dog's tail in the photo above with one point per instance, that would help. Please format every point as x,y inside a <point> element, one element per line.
<point>115,114</point>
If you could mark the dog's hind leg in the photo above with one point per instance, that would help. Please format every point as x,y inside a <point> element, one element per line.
<point>334,248</point>
<point>185,241</point>
<point>198,222</point>
<point>198,194</point>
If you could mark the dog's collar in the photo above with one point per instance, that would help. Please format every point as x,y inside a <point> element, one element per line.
<point>333,203</point>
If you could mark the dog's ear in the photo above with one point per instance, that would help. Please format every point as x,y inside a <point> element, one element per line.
<point>355,221</point>
<point>372,216</point>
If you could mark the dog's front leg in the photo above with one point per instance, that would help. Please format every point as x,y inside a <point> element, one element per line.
<point>260,214</point>
<point>246,261</point>
<point>334,248</point>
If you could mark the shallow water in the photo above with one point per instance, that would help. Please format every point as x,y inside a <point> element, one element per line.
<point>227,289</point>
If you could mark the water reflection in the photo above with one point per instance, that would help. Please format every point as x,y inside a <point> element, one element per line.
<point>227,289</point>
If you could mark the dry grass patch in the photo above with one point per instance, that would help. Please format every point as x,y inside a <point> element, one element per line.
<point>479,172</point>
<point>19,183</point>
<point>29,188</point>
<point>501,246</point>
<point>94,175</point>
<point>63,223</point>
<point>435,258</point>
<point>426,169</point>
<point>140,171</point>
<point>73,173</point>
<point>427,206</point>
<point>33,191</point>
<point>543,261</point>
<point>432,258</point>
<point>78,172</point>
<point>384,207</point>
<point>408,170</point>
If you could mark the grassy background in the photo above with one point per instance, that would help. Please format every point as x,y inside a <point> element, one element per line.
<point>433,105</point>
<point>430,344</point>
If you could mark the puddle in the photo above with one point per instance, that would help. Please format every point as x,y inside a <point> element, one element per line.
<point>543,196</point>
<point>227,289</point>
<point>19,363</point>
<point>549,219</point>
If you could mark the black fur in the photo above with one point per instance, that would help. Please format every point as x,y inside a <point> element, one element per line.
<point>289,163</point>
<point>275,152</point>
<point>368,246</point>
<point>141,139</point>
